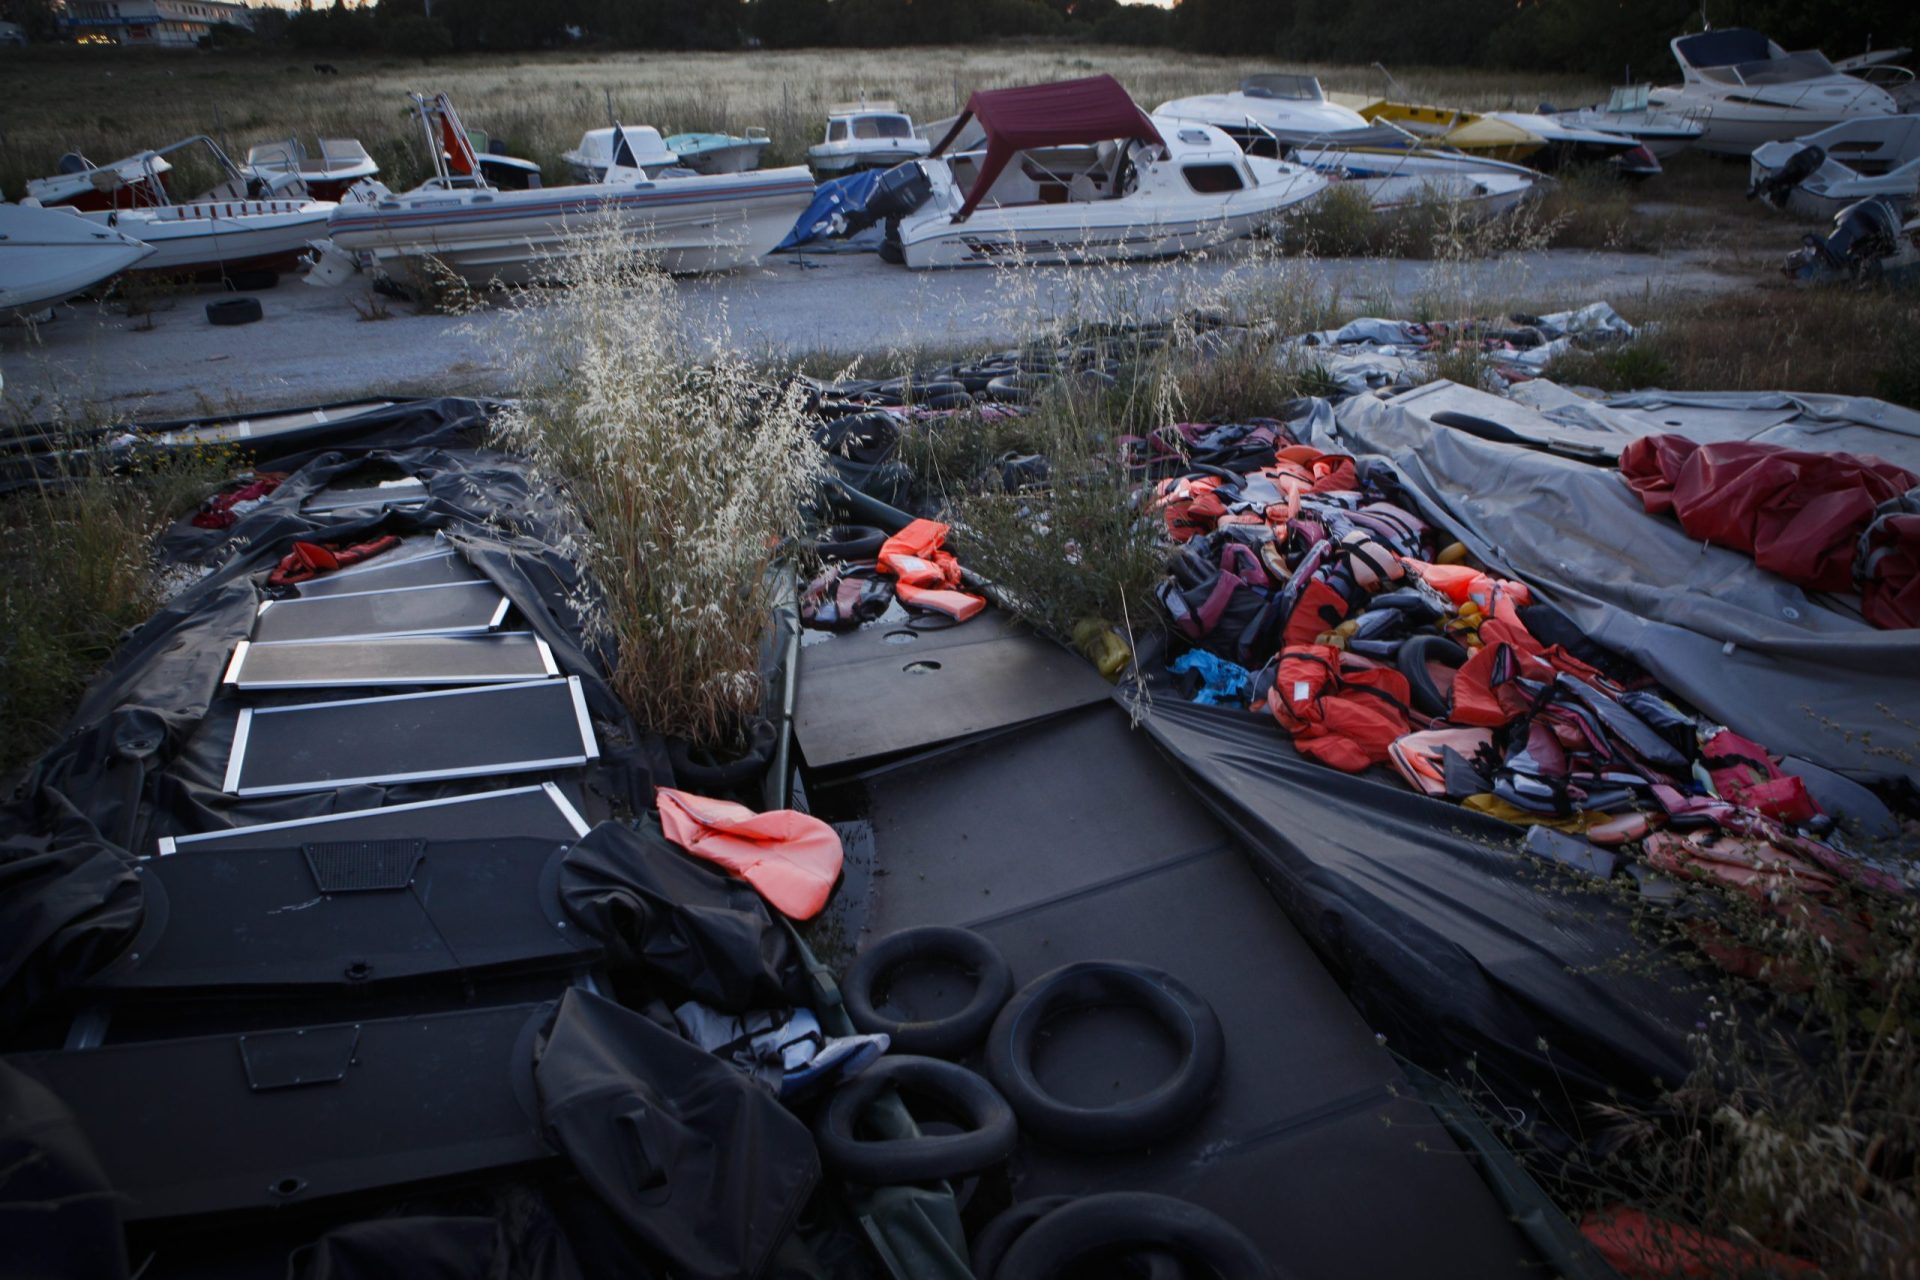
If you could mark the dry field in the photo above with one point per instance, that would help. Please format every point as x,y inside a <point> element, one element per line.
<point>109,103</point>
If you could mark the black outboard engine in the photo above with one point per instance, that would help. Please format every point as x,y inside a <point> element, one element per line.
<point>1800,166</point>
<point>1863,234</point>
<point>899,191</point>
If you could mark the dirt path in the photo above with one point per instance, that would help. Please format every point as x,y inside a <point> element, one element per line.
<point>313,346</point>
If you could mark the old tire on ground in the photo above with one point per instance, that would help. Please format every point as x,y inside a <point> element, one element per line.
<point>1133,1122</point>
<point>988,1139</point>
<point>1093,1225</point>
<point>931,945</point>
<point>228,311</point>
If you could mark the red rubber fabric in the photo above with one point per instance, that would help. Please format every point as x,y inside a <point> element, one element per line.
<point>1798,514</point>
<point>793,859</point>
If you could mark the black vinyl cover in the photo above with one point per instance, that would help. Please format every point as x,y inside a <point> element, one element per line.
<point>708,936</point>
<point>212,1124</point>
<point>1457,945</point>
<point>145,752</point>
<point>59,1216</point>
<point>320,911</point>
<point>688,1152</point>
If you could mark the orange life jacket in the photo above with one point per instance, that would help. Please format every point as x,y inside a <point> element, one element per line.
<point>926,577</point>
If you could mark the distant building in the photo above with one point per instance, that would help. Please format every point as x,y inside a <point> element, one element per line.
<point>177,24</point>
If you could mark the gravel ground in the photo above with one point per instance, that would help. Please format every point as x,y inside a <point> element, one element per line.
<point>312,346</point>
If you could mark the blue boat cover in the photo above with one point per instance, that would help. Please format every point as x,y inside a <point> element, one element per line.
<point>835,211</point>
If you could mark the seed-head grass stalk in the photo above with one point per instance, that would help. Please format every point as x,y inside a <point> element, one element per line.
<point>686,474</point>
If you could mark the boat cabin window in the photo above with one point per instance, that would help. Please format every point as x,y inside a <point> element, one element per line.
<point>882,127</point>
<point>836,131</point>
<point>1213,179</point>
<point>1289,88</point>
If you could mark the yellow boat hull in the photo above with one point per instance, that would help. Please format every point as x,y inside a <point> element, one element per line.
<point>1462,130</point>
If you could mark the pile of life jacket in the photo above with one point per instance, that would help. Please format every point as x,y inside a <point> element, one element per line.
<point>867,575</point>
<point>1836,522</point>
<point>1371,647</point>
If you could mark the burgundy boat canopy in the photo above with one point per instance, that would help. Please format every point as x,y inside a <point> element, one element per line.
<point>1064,113</point>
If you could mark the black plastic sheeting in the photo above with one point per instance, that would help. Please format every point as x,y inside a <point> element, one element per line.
<point>688,1152</point>
<point>1474,958</point>
<point>145,752</point>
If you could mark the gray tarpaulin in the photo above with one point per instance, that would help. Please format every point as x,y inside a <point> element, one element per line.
<point>1799,673</point>
<point>1820,424</point>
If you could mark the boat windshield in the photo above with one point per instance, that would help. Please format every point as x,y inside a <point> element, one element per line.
<point>1292,88</point>
<point>882,127</point>
<point>1629,99</point>
<point>1810,64</point>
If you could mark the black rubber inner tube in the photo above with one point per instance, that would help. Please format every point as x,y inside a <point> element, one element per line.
<point>1132,1122</point>
<point>931,946</point>
<point>696,769</point>
<point>1133,1221</point>
<point>968,1098</point>
<point>851,542</point>
<point>991,1242</point>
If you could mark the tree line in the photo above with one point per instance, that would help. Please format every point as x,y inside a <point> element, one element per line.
<point>1617,39</point>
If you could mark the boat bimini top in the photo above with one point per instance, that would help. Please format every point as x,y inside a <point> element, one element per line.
<point>1740,56</point>
<point>1065,113</point>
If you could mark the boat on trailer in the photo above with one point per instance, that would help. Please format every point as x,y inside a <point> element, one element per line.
<point>1075,172</point>
<point>695,223</point>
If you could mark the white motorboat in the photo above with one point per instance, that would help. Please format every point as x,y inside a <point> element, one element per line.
<point>631,146</point>
<point>1270,113</point>
<point>1289,117</point>
<point>48,255</point>
<point>82,184</point>
<point>1573,144</point>
<point>1747,91</point>
<point>694,223</point>
<point>1664,133</point>
<point>328,176</point>
<point>720,152</point>
<point>865,135</point>
<point>1076,172</point>
<point>1819,175</point>
<point>218,233</point>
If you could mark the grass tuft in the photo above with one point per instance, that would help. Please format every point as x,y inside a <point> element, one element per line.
<point>686,475</point>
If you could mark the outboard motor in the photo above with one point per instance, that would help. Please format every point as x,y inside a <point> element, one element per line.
<point>71,163</point>
<point>1800,166</point>
<point>899,191</point>
<point>1863,234</point>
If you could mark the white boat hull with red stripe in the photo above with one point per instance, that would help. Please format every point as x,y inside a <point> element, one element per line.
<point>694,224</point>
<point>221,235</point>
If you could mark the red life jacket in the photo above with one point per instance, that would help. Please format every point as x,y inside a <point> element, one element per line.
<point>1340,710</point>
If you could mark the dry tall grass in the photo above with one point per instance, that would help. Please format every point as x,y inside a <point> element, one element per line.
<point>687,477</point>
<point>76,572</point>
<point>109,103</point>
